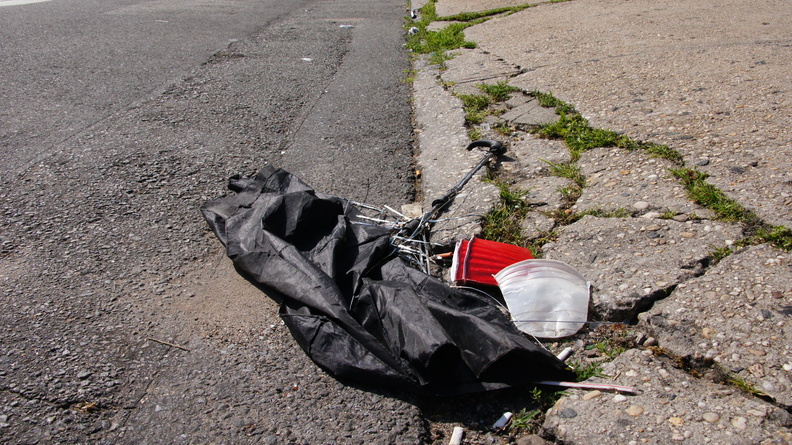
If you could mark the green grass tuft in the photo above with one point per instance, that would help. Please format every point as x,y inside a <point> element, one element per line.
<point>503,222</point>
<point>569,170</point>
<point>778,236</point>
<point>498,92</point>
<point>549,101</point>
<point>586,370</point>
<point>709,196</point>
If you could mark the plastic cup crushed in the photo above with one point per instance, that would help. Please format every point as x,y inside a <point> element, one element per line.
<point>546,298</point>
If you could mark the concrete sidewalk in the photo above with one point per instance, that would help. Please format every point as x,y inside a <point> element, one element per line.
<point>709,79</point>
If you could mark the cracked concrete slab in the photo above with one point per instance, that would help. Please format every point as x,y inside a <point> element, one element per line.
<point>469,68</point>
<point>670,406</point>
<point>634,181</point>
<point>633,261</point>
<point>683,74</point>
<point>528,156</point>
<point>525,111</point>
<point>737,315</point>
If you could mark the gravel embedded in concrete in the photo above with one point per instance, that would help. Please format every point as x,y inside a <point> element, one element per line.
<point>738,315</point>
<point>670,406</point>
<point>620,179</point>
<point>633,261</point>
<point>686,75</point>
<point>442,149</point>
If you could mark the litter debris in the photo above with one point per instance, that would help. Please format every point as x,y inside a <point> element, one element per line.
<point>502,421</point>
<point>413,31</point>
<point>564,355</point>
<point>456,436</point>
<point>584,385</point>
<point>416,231</point>
<point>477,260</point>
<point>546,298</point>
<point>347,26</point>
<point>353,303</point>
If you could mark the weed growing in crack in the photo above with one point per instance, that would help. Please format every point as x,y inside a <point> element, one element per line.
<point>569,170</point>
<point>570,194</point>
<point>503,128</point>
<point>579,136</point>
<point>662,152</point>
<point>475,107</point>
<point>720,253</point>
<point>498,92</point>
<point>535,244</point>
<point>709,196</point>
<point>525,419</point>
<point>503,222</point>
<point>547,100</point>
<point>729,210</point>
<point>586,370</point>
<point>739,382</point>
<point>778,236</point>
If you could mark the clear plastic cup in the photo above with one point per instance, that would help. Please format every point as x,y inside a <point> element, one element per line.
<point>546,298</point>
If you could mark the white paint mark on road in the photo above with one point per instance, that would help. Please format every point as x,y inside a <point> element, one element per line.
<point>19,2</point>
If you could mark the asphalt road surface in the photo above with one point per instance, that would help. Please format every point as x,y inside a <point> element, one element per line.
<point>122,321</point>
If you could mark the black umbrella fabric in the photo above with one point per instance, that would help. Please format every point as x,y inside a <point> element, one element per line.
<point>358,310</point>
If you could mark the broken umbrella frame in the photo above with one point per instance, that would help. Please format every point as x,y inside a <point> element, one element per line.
<point>412,237</point>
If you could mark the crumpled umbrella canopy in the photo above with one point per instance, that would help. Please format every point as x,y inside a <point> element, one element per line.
<point>358,310</point>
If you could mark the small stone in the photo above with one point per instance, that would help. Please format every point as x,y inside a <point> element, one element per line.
<point>618,398</point>
<point>707,333</point>
<point>592,395</point>
<point>634,410</point>
<point>711,417</point>
<point>567,413</point>
<point>676,421</point>
<point>756,413</point>
<point>651,341</point>
<point>84,374</point>
<point>641,205</point>
<point>740,423</point>
<point>677,437</point>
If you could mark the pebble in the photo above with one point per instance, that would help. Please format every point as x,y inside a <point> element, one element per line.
<point>676,421</point>
<point>568,413</point>
<point>618,398</point>
<point>711,417</point>
<point>634,410</point>
<point>641,205</point>
<point>592,395</point>
<point>680,218</point>
<point>739,422</point>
